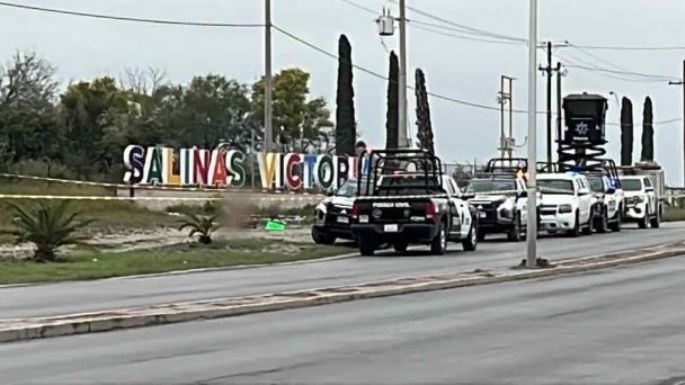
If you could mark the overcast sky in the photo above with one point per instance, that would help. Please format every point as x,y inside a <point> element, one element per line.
<point>86,48</point>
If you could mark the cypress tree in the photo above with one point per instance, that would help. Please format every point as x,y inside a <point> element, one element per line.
<point>345,131</point>
<point>647,131</point>
<point>423,114</point>
<point>626,132</point>
<point>392,114</point>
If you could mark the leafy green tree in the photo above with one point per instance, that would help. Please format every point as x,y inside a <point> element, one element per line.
<point>647,131</point>
<point>294,115</point>
<point>392,113</point>
<point>626,132</point>
<point>345,130</point>
<point>28,125</point>
<point>423,114</point>
<point>48,226</point>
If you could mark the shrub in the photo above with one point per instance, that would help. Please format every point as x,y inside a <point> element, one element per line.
<point>202,226</point>
<point>48,226</point>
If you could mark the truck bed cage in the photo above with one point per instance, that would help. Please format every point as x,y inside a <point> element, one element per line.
<point>396,162</point>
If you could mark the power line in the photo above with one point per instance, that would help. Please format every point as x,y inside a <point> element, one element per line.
<point>648,77</point>
<point>633,48</point>
<point>130,19</point>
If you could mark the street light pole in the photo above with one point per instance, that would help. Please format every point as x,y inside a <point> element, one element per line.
<point>403,135</point>
<point>531,223</point>
<point>268,81</point>
<point>682,84</point>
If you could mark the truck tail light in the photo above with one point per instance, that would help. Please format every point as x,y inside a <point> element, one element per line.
<point>431,210</point>
<point>355,210</point>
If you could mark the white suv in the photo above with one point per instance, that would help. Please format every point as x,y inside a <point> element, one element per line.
<point>641,202</point>
<point>566,203</point>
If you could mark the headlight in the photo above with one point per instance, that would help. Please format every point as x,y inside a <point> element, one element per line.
<point>565,209</point>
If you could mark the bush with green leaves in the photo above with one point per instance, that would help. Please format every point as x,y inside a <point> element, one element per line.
<point>48,226</point>
<point>202,226</point>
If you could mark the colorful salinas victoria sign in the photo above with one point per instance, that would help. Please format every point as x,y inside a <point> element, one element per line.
<point>220,168</point>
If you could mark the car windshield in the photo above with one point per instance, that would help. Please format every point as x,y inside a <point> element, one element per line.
<point>491,186</point>
<point>596,184</point>
<point>555,186</point>
<point>348,189</point>
<point>631,184</point>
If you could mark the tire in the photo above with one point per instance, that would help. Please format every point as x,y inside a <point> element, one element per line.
<point>514,235</point>
<point>603,222</point>
<point>576,227</point>
<point>439,242</point>
<point>616,226</point>
<point>321,237</point>
<point>644,222</point>
<point>366,247</point>
<point>400,246</point>
<point>471,241</point>
<point>656,221</point>
<point>590,222</point>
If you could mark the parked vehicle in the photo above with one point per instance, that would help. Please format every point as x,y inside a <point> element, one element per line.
<point>607,203</point>
<point>566,203</point>
<point>642,204</point>
<point>408,200</point>
<point>501,203</point>
<point>332,215</point>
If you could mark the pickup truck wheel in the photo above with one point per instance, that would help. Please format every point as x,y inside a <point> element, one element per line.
<point>439,243</point>
<point>481,237</point>
<point>400,246</point>
<point>590,223</point>
<point>471,241</point>
<point>366,247</point>
<point>656,221</point>
<point>603,222</point>
<point>616,226</point>
<point>644,222</point>
<point>514,234</point>
<point>321,237</point>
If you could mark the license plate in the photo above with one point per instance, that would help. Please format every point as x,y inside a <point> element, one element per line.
<point>343,219</point>
<point>483,214</point>
<point>390,228</point>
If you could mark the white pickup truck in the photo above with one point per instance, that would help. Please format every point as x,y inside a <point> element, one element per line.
<point>566,203</point>
<point>642,205</point>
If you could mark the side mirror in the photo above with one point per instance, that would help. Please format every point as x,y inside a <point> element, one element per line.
<point>649,189</point>
<point>523,194</point>
<point>583,192</point>
<point>611,190</point>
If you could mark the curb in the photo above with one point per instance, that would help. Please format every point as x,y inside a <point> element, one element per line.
<point>44,327</point>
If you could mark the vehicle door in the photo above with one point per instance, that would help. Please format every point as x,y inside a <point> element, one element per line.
<point>584,198</point>
<point>522,200</point>
<point>651,195</point>
<point>461,215</point>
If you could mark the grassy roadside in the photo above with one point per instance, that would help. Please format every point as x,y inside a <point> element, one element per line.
<point>84,265</point>
<point>672,214</point>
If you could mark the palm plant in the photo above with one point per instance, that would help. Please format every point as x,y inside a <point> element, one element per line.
<point>47,226</point>
<point>202,226</point>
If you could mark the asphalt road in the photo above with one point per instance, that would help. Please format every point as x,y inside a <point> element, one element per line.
<point>620,326</point>
<point>75,297</point>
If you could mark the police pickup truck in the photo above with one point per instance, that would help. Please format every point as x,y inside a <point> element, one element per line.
<point>408,200</point>
<point>642,203</point>
<point>607,203</point>
<point>500,200</point>
<point>332,215</point>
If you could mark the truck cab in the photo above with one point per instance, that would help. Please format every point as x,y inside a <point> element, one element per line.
<point>642,204</point>
<point>566,203</point>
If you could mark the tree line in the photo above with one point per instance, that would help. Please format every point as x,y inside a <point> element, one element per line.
<point>79,130</point>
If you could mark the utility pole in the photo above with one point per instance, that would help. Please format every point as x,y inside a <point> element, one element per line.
<point>682,84</point>
<point>548,71</point>
<point>403,135</point>
<point>532,222</point>
<point>268,81</point>
<point>505,97</point>
<point>559,112</point>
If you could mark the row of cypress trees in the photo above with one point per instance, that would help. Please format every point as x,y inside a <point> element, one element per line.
<point>647,153</point>
<point>346,127</point>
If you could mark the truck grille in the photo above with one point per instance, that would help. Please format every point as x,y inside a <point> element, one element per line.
<point>548,210</point>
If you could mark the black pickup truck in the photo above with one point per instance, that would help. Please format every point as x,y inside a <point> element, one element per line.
<point>409,201</point>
